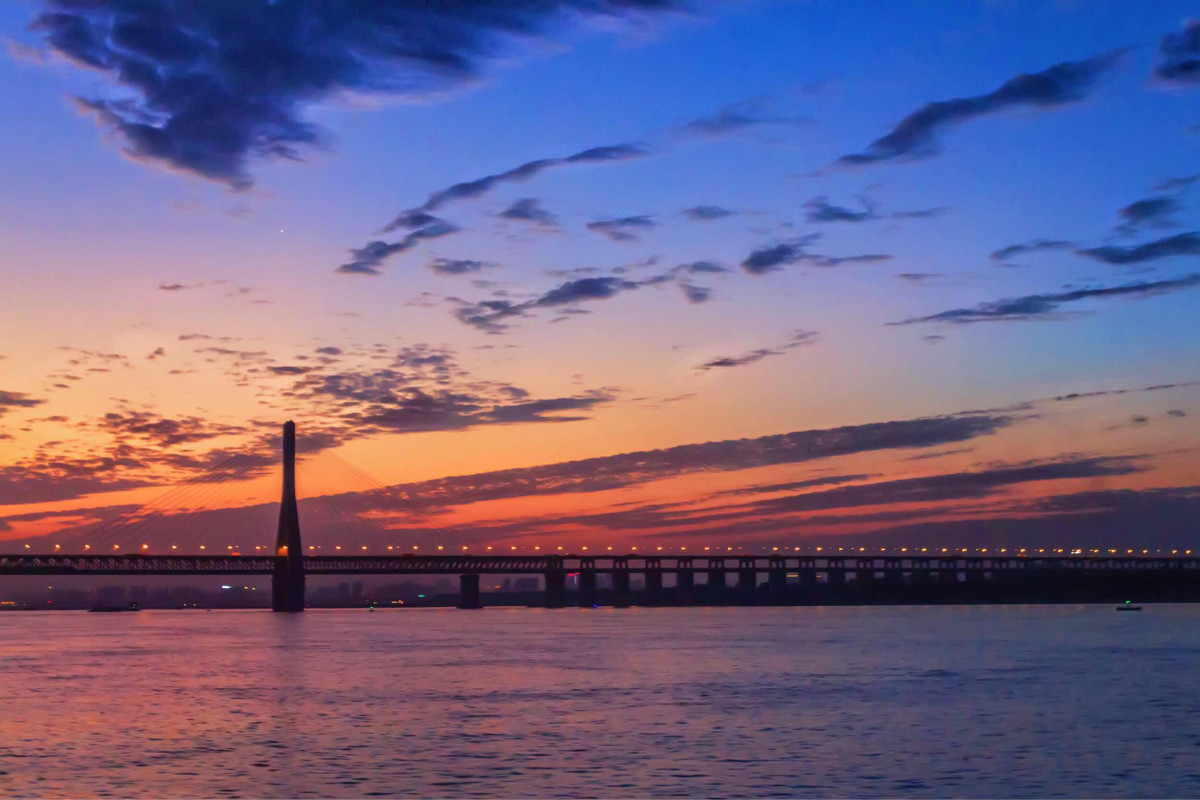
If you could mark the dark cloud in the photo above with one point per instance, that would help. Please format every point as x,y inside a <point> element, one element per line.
<point>915,136</point>
<point>329,351</point>
<point>918,277</point>
<point>695,294</point>
<point>528,209</point>
<point>456,266</point>
<point>11,400</point>
<point>921,213</point>
<point>953,486</point>
<point>1045,306</point>
<point>628,469</point>
<point>209,87</point>
<point>469,190</point>
<point>1181,244</point>
<point>775,257</point>
<point>622,229</point>
<point>1180,54</point>
<point>1178,184</point>
<point>164,431</point>
<point>1006,254</point>
<point>700,268</point>
<point>798,338</point>
<point>819,209</point>
<point>704,213</point>
<point>1154,212</point>
<point>738,118</point>
<point>366,260</point>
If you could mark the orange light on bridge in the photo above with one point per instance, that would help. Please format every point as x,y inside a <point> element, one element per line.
<point>439,547</point>
<point>145,547</point>
<point>337,547</point>
<point>464,548</point>
<point>364,547</point>
<point>174,547</point>
<point>58,547</point>
<point>115,546</point>
<point>87,547</point>
<point>202,547</point>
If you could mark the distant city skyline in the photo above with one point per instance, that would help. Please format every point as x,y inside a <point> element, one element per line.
<point>606,273</point>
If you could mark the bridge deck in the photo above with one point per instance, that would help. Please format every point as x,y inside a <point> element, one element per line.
<point>135,564</point>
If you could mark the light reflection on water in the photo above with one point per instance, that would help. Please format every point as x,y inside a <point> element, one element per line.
<point>917,701</point>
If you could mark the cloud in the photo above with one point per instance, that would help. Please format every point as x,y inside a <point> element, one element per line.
<point>695,294</point>
<point>1149,212</point>
<point>921,213</point>
<point>165,431</point>
<point>918,277</point>
<point>367,260</point>
<point>1181,244</point>
<point>952,486</point>
<point>528,209</point>
<point>1180,54</point>
<point>209,88</point>
<point>915,136</point>
<point>633,468</point>
<point>1045,306</point>
<point>1006,254</point>
<point>737,118</point>
<point>798,338</point>
<point>456,266</point>
<point>704,213</point>
<point>11,400</point>
<point>820,210</point>
<point>622,229</point>
<point>775,257</point>
<point>469,190</point>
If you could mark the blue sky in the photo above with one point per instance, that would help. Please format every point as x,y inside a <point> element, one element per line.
<point>743,106</point>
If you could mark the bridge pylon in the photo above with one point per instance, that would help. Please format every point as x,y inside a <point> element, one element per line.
<point>287,580</point>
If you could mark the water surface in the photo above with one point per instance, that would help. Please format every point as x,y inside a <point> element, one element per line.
<point>904,701</point>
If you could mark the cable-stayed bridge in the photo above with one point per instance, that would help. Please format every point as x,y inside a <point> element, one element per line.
<point>790,577</point>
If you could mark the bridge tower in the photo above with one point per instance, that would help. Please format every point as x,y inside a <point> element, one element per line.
<point>287,582</point>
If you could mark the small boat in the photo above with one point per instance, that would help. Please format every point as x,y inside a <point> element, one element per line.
<point>1128,606</point>
<point>113,609</point>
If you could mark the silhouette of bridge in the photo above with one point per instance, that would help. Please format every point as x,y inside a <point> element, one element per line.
<point>790,578</point>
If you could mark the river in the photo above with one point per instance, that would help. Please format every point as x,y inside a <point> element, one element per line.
<point>980,701</point>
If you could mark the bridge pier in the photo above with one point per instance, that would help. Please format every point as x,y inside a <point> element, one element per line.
<point>468,592</point>
<point>556,588</point>
<point>620,588</point>
<point>716,575</point>
<point>777,580</point>
<point>685,582</point>
<point>747,581</point>
<point>587,588</point>
<point>654,581</point>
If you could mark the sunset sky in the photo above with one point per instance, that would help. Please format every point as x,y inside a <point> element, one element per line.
<point>602,273</point>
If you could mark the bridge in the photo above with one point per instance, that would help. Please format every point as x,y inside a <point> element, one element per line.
<point>672,579</point>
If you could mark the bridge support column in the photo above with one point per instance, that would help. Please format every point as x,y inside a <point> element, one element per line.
<point>620,588</point>
<point>716,576</point>
<point>287,580</point>
<point>556,588</point>
<point>654,584</point>
<point>777,579</point>
<point>685,585</point>
<point>747,582</point>
<point>587,588</point>
<point>468,592</point>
